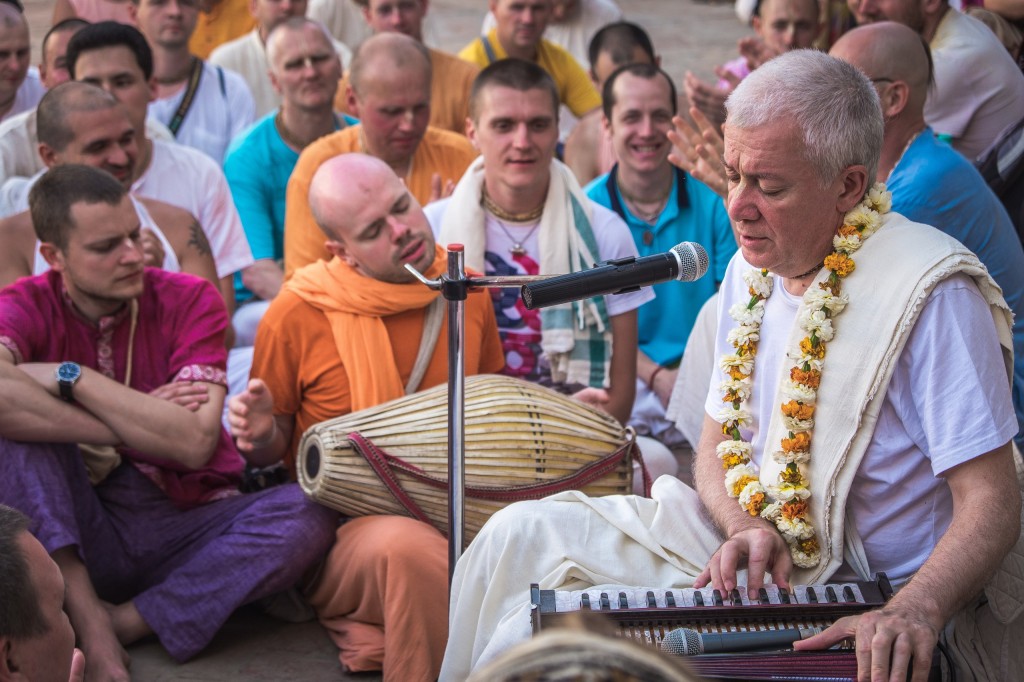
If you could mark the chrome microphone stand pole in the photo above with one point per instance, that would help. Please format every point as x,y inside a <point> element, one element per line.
<point>454,286</point>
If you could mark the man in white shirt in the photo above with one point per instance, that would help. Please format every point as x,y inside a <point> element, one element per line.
<point>20,86</point>
<point>204,106</point>
<point>247,55</point>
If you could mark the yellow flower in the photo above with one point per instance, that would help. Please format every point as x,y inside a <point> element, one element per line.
<point>839,263</point>
<point>740,483</point>
<point>756,504</point>
<point>809,546</point>
<point>730,461</point>
<point>791,474</point>
<point>810,349</point>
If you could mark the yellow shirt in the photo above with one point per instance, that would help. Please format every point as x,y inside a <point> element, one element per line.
<point>575,89</point>
<point>226,20</point>
<point>440,151</point>
<point>450,82</point>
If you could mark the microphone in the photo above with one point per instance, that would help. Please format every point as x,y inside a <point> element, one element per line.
<point>685,262</point>
<point>687,642</point>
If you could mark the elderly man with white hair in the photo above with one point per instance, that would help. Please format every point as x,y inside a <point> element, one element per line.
<point>836,442</point>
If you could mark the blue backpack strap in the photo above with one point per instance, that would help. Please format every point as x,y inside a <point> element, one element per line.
<point>489,49</point>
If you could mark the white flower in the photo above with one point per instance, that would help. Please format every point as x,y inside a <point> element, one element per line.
<point>797,529</point>
<point>799,359</point>
<point>788,491</point>
<point>783,457</point>
<point>798,392</point>
<point>794,424</point>
<point>879,198</point>
<point>731,415</point>
<point>772,511</point>
<point>816,298</point>
<point>760,284</point>
<point>750,490</point>
<point>741,387</point>
<point>750,317</point>
<point>742,334</point>
<point>815,321</point>
<point>846,244</point>
<point>744,363</point>
<point>728,448</point>
<point>865,218</point>
<point>737,474</point>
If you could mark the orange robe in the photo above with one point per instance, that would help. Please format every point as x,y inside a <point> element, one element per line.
<point>382,594</point>
<point>226,20</point>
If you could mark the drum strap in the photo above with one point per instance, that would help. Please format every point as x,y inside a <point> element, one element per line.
<point>433,317</point>
<point>386,467</point>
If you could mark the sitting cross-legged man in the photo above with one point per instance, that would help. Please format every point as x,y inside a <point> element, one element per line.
<point>104,358</point>
<point>346,335</point>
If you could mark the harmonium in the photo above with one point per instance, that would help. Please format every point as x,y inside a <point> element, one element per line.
<point>682,621</point>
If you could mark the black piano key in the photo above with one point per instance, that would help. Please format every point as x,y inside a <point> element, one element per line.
<point>830,594</point>
<point>605,604</point>
<point>698,599</point>
<point>670,599</point>
<point>784,596</point>
<point>623,601</point>
<point>652,602</point>
<point>735,597</point>
<point>762,595</point>
<point>812,598</point>
<point>718,597</point>
<point>585,602</point>
<point>848,594</point>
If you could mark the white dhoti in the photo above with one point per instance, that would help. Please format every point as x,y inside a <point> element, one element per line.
<point>569,541</point>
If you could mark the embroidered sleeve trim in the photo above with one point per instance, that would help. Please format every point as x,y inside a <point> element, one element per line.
<point>8,343</point>
<point>207,373</point>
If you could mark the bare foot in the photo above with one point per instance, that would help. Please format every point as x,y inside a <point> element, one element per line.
<point>128,623</point>
<point>105,658</point>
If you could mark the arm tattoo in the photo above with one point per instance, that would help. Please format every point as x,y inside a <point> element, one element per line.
<point>197,239</point>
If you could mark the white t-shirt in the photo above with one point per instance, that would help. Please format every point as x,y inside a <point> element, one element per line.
<point>29,93</point>
<point>899,503</point>
<point>222,108</point>
<point>519,327</point>
<point>188,179</point>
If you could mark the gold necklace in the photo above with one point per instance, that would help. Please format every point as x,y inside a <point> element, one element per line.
<point>501,214</point>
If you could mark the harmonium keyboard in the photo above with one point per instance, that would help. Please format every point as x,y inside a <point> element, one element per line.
<point>647,615</point>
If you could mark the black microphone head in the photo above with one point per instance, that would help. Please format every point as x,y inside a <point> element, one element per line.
<point>683,641</point>
<point>693,261</point>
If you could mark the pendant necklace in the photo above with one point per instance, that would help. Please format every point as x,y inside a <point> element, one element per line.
<point>502,216</point>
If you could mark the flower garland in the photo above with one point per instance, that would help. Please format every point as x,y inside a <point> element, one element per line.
<point>786,504</point>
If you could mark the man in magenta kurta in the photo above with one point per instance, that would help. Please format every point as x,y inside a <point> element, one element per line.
<point>104,352</point>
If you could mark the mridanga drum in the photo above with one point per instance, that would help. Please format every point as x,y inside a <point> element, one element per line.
<point>523,441</point>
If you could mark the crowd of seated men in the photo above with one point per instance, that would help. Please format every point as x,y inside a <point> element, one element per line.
<point>206,210</point>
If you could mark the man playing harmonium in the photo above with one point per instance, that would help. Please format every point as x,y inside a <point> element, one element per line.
<point>891,452</point>
<point>345,335</point>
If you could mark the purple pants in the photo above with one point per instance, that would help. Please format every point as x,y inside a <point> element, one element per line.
<point>186,571</point>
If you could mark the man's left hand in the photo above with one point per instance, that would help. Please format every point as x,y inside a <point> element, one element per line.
<point>889,642</point>
<point>152,249</point>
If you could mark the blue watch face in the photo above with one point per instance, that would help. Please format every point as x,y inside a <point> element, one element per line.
<point>69,372</point>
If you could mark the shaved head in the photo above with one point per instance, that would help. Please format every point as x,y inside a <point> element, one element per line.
<point>388,53</point>
<point>338,185</point>
<point>52,127</point>
<point>888,51</point>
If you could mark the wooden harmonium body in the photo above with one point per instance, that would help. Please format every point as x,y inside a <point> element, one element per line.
<point>647,615</point>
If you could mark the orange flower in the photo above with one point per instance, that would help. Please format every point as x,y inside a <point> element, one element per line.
<point>755,505</point>
<point>801,442</point>
<point>810,378</point>
<point>839,263</point>
<point>810,349</point>
<point>848,230</point>
<point>795,509</point>
<point>798,410</point>
<point>737,373</point>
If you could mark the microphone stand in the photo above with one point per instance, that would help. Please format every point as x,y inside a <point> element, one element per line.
<point>454,286</point>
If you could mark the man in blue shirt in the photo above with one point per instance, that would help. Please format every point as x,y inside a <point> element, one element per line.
<point>662,206</point>
<point>931,182</point>
<point>305,69</point>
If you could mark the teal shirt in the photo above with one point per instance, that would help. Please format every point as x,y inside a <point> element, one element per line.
<point>693,213</point>
<point>258,165</point>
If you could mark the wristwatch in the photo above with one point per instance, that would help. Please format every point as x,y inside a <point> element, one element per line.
<point>68,373</point>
